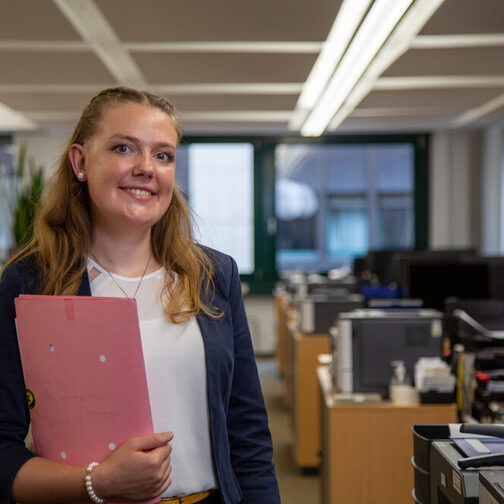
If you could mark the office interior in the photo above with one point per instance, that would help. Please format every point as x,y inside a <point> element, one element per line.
<point>351,149</point>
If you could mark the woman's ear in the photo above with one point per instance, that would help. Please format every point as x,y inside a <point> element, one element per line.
<point>76,156</point>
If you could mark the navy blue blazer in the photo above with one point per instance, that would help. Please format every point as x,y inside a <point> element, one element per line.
<point>240,438</point>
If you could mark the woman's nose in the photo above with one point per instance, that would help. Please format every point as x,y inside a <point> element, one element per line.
<point>144,166</point>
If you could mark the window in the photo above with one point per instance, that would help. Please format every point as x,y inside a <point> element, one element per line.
<point>335,202</point>
<point>218,180</point>
<point>6,202</point>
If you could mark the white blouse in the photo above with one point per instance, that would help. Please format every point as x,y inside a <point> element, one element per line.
<point>175,367</point>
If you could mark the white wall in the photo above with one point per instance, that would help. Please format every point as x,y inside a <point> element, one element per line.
<point>44,147</point>
<point>492,192</point>
<point>261,317</point>
<point>454,201</point>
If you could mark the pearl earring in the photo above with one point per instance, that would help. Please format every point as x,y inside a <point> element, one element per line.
<point>80,175</point>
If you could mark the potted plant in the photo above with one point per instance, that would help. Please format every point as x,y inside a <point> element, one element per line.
<point>23,191</point>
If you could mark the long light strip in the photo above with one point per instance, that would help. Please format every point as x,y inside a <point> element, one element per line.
<point>396,45</point>
<point>190,88</point>
<point>272,116</point>
<point>94,28</point>
<point>269,116</point>
<point>45,45</point>
<point>374,30</point>
<point>478,112</point>
<point>457,41</point>
<point>402,112</point>
<point>440,82</point>
<point>233,46</point>
<point>264,47</point>
<point>347,21</point>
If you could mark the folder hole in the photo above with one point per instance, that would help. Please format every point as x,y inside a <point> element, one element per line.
<point>103,358</point>
<point>112,446</point>
<point>63,455</point>
<point>51,348</point>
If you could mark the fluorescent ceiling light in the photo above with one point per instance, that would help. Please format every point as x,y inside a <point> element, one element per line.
<point>374,30</point>
<point>346,23</point>
<point>396,45</point>
<point>10,120</point>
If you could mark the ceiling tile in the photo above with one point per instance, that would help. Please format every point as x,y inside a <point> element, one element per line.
<point>26,67</point>
<point>44,102</point>
<point>205,68</point>
<point>220,20</point>
<point>190,103</point>
<point>466,16</point>
<point>495,117</point>
<point>466,61</point>
<point>34,20</point>
<point>194,128</point>
<point>450,98</point>
<point>411,124</point>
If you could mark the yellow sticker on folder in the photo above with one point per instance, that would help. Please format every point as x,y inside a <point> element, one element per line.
<point>30,398</point>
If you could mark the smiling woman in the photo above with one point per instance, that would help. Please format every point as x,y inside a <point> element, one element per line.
<point>113,223</point>
<point>129,168</point>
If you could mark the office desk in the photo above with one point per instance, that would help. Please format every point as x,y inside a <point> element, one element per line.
<point>281,303</point>
<point>290,330</point>
<point>367,449</point>
<point>306,397</point>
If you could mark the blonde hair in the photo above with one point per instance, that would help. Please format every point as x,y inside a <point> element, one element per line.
<point>63,229</point>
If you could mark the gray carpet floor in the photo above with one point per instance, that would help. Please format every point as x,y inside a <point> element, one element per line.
<point>295,488</point>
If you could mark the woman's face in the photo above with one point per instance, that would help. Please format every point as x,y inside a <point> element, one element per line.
<point>129,166</point>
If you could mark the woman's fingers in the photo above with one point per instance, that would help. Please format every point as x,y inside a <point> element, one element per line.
<point>151,441</point>
<point>138,469</point>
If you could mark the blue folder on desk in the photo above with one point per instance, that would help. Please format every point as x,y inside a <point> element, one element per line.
<point>479,445</point>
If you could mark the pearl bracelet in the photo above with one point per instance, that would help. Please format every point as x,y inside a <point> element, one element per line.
<point>89,485</point>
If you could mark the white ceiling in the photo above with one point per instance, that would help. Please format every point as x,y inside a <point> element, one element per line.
<point>234,66</point>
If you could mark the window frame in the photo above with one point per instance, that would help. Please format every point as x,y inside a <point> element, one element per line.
<point>262,280</point>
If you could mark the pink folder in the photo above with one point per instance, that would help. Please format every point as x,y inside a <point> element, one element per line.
<point>83,365</point>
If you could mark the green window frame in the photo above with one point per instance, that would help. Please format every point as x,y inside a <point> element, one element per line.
<point>262,280</point>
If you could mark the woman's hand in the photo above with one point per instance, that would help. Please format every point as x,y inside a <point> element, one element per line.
<point>139,469</point>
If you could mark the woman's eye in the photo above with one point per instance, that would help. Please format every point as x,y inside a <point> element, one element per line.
<point>121,148</point>
<point>165,156</point>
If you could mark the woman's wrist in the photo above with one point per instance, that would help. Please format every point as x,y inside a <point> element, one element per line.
<point>93,482</point>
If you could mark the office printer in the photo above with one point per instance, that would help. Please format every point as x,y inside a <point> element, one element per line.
<point>491,487</point>
<point>319,312</point>
<point>470,468</point>
<point>367,341</point>
<point>321,285</point>
<point>452,485</point>
<point>449,484</point>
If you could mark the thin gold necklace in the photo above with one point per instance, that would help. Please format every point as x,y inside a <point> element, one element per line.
<point>114,280</point>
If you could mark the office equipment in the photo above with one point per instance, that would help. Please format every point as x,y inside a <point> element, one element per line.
<point>367,341</point>
<point>321,285</point>
<point>449,483</point>
<point>84,371</point>
<point>423,436</point>
<point>465,469</point>
<point>491,487</point>
<point>436,275</point>
<point>317,313</point>
<point>483,341</point>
